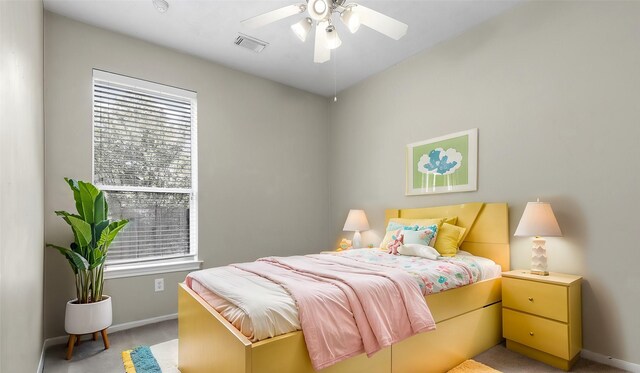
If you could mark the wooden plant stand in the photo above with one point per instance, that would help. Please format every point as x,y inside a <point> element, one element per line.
<point>74,340</point>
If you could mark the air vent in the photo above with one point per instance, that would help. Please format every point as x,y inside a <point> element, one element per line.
<point>251,43</point>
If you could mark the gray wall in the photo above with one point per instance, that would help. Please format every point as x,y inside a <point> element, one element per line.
<point>552,86</point>
<point>263,176</point>
<point>554,89</point>
<point>21,185</point>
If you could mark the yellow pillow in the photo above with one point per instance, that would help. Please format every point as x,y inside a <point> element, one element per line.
<point>421,222</point>
<point>449,239</point>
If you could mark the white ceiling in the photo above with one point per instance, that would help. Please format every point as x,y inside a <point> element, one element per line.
<point>208,28</point>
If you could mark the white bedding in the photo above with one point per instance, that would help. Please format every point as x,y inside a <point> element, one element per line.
<point>488,267</point>
<point>232,292</point>
<point>244,293</point>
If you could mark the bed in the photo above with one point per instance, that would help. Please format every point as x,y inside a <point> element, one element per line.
<point>468,318</point>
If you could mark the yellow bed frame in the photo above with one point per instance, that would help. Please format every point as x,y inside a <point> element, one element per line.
<point>468,319</point>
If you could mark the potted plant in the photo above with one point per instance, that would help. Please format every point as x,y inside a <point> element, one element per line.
<point>92,231</point>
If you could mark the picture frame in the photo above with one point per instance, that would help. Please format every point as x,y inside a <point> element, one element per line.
<point>445,164</point>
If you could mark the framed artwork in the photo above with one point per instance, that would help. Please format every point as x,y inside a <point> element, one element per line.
<point>443,164</point>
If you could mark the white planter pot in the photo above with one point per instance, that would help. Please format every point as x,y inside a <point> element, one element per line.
<point>88,318</point>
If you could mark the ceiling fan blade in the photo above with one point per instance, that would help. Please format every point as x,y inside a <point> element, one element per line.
<point>322,53</point>
<point>273,16</point>
<point>381,23</point>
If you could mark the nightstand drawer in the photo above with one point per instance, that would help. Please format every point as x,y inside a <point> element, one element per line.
<point>537,298</point>
<point>542,334</point>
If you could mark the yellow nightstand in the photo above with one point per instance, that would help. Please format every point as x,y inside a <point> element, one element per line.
<point>542,316</point>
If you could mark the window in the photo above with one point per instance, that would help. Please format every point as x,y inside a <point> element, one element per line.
<point>145,159</point>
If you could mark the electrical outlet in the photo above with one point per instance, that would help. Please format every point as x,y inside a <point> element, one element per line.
<point>159,284</point>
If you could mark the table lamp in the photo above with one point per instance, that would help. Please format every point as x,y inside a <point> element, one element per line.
<point>537,221</point>
<point>356,222</point>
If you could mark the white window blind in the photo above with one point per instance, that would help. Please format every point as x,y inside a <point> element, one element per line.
<point>144,154</point>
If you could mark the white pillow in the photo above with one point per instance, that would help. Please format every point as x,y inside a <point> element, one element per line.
<point>422,251</point>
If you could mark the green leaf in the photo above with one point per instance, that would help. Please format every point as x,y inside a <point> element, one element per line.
<point>103,237</point>
<point>110,233</point>
<point>75,248</point>
<point>73,184</point>
<point>99,260</point>
<point>99,210</point>
<point>59,248</point>
<point>77,262</point>
<point>96,258</point>
<point>88,194</point>
<point>116,226</point>
<point>106,207</point>
<point>82,230</point>
<point>65,214</point>
<point>98,229</point>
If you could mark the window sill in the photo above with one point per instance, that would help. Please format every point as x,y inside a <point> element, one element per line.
<point>141,269</point>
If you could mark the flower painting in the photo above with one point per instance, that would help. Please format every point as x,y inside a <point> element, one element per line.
<point>444,164</point>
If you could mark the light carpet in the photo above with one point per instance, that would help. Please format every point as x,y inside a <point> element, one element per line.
<point>472,366</point>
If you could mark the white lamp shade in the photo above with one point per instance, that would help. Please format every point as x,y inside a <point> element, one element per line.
<point>333,40</point>
<point>351,19</point>
<point>538,220</point>
<point>356,221</point>
<point>302,28</point>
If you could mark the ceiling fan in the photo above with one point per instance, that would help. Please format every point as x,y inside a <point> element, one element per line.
<point>319,14</point>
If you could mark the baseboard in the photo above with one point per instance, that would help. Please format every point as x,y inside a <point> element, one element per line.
<point>608,360</point>
<point>41,362</point>
<point>112,329</point>
<point>48,343</point>
<point>135,324</point>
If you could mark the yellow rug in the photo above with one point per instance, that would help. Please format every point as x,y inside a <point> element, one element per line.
<point>472,366</point>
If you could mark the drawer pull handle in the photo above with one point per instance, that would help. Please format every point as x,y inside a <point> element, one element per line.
<point>531,334</point>
<point>530,299</point>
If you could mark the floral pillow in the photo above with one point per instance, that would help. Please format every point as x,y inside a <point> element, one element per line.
<point>392,227</point>
<point>396,241</point>
<point>425,236</point>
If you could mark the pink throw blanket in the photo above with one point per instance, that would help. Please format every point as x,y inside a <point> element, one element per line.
<point>346,307</point>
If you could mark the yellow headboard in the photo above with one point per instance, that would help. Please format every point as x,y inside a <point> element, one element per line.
<point>487,226</point>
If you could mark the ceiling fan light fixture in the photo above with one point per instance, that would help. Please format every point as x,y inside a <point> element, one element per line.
<point>318,9</point>
<point>333,40</point>
<point>161,5</point>
<point>302,28</point>
<point>351,18</point>
<point>320,6</point>
<point>320,14</point>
